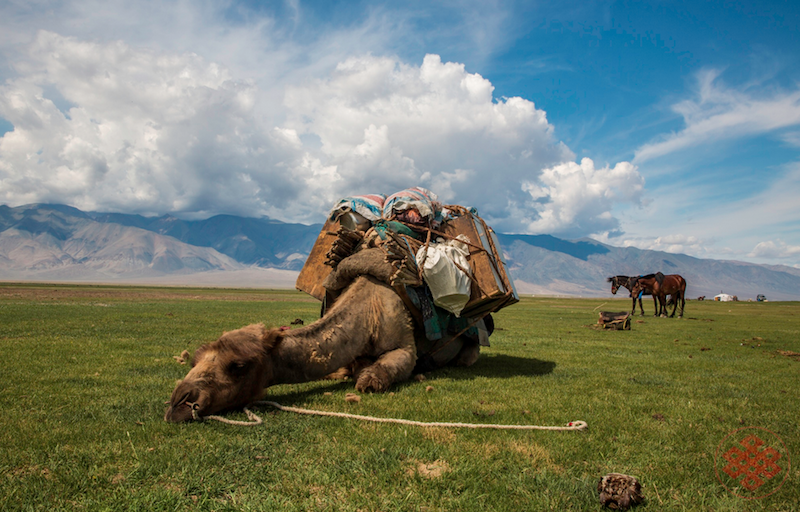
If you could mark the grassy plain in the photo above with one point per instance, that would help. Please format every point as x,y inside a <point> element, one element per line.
<point>86,371</point>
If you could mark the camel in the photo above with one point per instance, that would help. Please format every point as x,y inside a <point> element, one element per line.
<point>368,331</point>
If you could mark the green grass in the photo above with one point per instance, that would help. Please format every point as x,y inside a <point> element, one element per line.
<point>86,371</point>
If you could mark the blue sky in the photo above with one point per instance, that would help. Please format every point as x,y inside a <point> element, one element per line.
<point>660,125</point>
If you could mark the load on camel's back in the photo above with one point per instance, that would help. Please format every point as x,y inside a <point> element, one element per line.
<point>443,261</point>
<point>406,285</point>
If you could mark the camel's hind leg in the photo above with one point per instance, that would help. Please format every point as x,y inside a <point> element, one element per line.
<point>393,366</point>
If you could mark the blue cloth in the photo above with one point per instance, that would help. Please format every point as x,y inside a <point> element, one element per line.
<point>438,322</point>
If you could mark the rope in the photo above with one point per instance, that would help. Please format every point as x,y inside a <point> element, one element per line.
<point>255,420</point>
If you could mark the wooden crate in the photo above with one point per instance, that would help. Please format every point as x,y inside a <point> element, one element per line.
<point>315,270</point>
<point>492,288</point>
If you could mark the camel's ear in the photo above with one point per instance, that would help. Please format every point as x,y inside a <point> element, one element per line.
<point>271,338</point>
<point>197,354</point>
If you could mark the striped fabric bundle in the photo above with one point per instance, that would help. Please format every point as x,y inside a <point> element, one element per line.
<point>418,199</point>
<point>370,206</point>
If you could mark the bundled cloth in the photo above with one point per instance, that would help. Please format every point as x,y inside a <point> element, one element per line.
<point>415,205</point>
<point>445,269</point>
<point>465,270</point>
<point>369,206</point>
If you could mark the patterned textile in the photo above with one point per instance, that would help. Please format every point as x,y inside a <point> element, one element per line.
<point>439,323</point>
<point>369,205</point>
<point>425,202</point>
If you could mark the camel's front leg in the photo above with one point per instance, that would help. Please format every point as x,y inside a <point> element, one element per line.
<point>393,366</point>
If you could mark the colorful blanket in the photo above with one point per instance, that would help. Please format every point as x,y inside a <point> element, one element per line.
<point>370,206</point>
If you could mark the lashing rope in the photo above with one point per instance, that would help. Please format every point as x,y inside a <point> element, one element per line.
<point>256,420</point>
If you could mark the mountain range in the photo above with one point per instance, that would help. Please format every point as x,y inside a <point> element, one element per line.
<point>59,243</point>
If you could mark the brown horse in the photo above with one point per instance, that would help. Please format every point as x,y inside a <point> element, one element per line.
<point>618,282</point>
<point>660,285</point>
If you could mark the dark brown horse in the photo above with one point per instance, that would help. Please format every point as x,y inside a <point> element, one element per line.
<point>660,285</point>
<point>618,282</point>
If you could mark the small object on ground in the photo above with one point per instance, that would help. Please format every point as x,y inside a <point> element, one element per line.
<point>614,320</point>
<point>297,321</point>
<point>183,358</point>
<point>619,492</point>
<point>419,377</point>
<point>352,398</point>
<point>429,389</point>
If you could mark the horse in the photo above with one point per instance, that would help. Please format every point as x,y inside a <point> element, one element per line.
<point>618,282</point>
<point>660,285</point>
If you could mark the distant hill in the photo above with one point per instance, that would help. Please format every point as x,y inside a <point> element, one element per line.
<point>56,242</point>
<point>581,268</point>
<point>50,242</point>
<point>261,242</point>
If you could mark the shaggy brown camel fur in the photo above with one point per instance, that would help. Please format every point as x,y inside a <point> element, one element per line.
<point>369,320</point>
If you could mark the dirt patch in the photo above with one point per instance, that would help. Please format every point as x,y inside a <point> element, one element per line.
<point>430,470</point>
<point>790,354</point>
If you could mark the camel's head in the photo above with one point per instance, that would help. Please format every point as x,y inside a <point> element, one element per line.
<point>230,372</point>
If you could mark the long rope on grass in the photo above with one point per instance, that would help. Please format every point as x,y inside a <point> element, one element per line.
<point>256,420</point>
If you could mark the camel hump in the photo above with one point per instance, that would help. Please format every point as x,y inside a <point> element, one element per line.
<point>368,262</point>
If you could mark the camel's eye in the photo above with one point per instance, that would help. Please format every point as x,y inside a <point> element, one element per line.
<point>238,367</point>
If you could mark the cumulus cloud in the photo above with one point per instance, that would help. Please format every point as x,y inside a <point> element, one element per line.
<point>674,243</point>
<point>143,131</point>
<point>106,126</point>
<point>718,112</point>
<point>775,250</point>
<point>387,125</point>
<point>573,199</point>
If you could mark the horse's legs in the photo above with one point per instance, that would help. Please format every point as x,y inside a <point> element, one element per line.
<point>675,297</point>
<point>633,305</point>
<point>662,300</point>
<point>640,307</point>
<point>656,305</point>
<point>683,302</point>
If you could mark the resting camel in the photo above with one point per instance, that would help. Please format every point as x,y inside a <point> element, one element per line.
<point>368,329</point>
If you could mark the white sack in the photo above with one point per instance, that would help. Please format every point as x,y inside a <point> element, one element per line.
<point>449,285</point>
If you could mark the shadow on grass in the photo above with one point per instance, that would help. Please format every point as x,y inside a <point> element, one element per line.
<point>492,366</point>
<point>503,366</point>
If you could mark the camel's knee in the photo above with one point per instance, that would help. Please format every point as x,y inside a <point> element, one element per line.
<point>373,379</point>
<point>393,366</point>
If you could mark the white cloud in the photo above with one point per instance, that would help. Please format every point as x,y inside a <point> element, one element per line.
<point>675,243</point>
<point>387,125</point>
<point>792,138</point>
<point>574,199</point>
<point>147,132</point>
<point>106,126</point>
<point>775,250</point>
<point>720,113</point>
